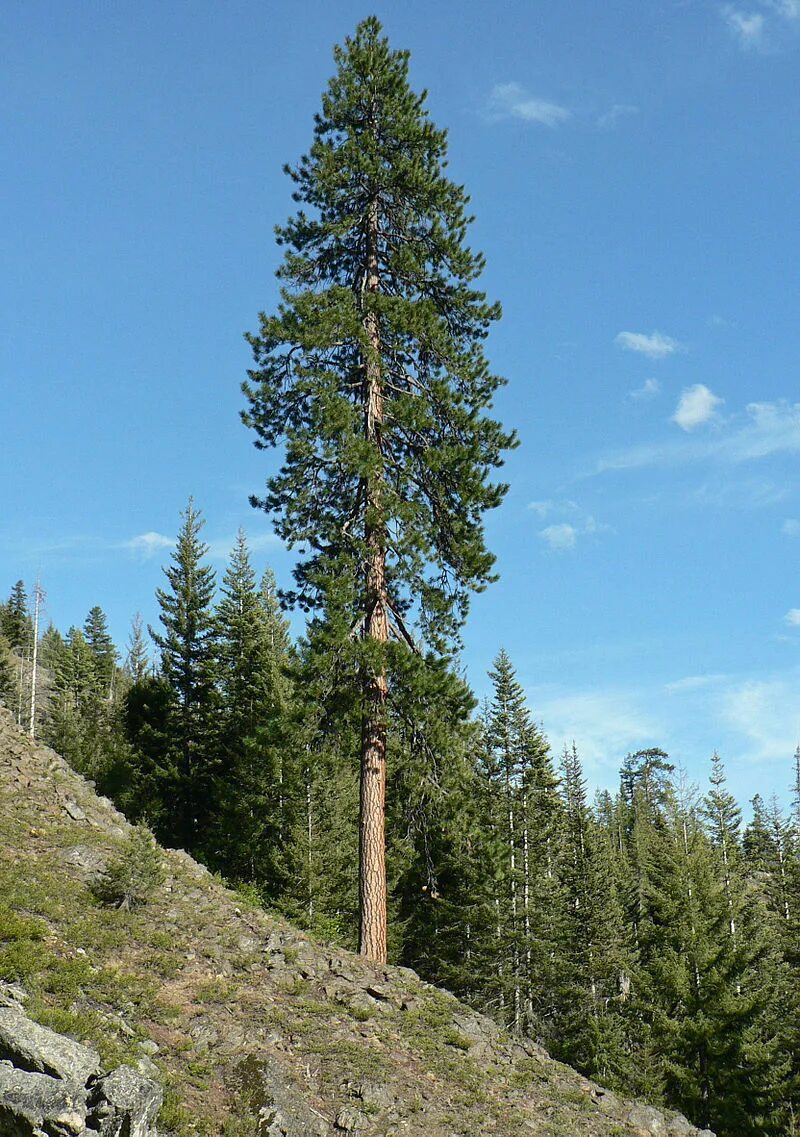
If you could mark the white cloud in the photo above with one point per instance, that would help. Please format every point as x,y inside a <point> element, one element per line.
<point>564,536</point>
<point>611,117</point>
<point>765,713</point>
<point>604,724</point>
<point>648,390</point>
<point>510,100</point>
<point>693,683</point>
<point>149,543</point>
<point>739,493</point>
<point>654,346</point>
<point>792,618</point>
<point>560,537</point>
<point>746,27</point>
<point>697,405</point>
<point>752,720</point>
<point>769,428</point>
<point>791,527</point>
<point>544,508</point>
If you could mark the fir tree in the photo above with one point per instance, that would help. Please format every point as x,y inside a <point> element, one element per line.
<point>707,992</point>
<point>16,624</point>
<point>188,664</point>
<point>373,374</point>
<point>757,841</point>
<point>523,818</point>
<point>8,675</point>
<point>595,955</point>
<point>101,646</point>
<point>137,660</point>
<point>257,789</point>
<point>724,820</point>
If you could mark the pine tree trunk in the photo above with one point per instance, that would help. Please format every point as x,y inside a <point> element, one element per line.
<point>375,688</point>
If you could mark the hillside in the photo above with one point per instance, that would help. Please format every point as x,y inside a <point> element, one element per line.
<point>251,1026</point>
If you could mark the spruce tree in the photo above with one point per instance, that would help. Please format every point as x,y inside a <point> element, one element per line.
<point>104,654</point>
<point>257,783</point>
<point>188,665</point>
<point>137,660</point>
<point>17,626</point>
<point>523,821</point>
<point>373,374</point>
<point>704,991</point>
<point>724,819</point>
<point>8,675</point>
<point>595,956</point>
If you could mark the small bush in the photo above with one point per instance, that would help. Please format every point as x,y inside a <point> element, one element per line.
<point>131,878</point>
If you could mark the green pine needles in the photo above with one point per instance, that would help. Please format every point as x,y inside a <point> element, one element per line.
<point>377,160</point>
<point>137,871</point>
<point>372,375</point>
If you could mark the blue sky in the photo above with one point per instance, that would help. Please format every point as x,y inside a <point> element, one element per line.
<point>633,170</point>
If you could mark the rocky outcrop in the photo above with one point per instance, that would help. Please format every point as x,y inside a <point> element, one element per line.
<point>52,1086</point>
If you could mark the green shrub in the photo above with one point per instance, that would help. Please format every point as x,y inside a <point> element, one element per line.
<point>131,878</point>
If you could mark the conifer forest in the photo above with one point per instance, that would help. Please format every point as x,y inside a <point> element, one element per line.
<point>349,778</point>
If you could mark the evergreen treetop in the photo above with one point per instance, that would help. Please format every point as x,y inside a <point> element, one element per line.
<point>378,271</point>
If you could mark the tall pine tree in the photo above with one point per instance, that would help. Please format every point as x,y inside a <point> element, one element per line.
<point>373,374</point>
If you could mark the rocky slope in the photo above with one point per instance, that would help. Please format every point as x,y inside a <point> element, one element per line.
<point>248,1025</point>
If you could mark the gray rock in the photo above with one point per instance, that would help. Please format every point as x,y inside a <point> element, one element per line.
<point>124,1103</point>
<point>12,995</point>
<point>273,1100</point>
<point>680,1127</point>
<point>648,1120</point>
<point>350,1120</point>
<point>373,1094</point>
<point>31,1047</point>
<point>87,860</point>
<point>74,810</point>
<point>33,1104</point>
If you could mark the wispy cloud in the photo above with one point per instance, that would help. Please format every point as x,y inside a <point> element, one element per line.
<point>765,430</point>
<point>765,713</point>
<point>693,683</point>
<point>747,28</point>
<point>560,537</point>
<point>148,543</point>
<point>789,9</point>
<point>792,618</point>
<point>648,390</point>
<point>654,346</point>
<point>551,505</point>
<point>604,724</point>
<point>696,406</point>
<point>760,26</point>
<point>740,493</point>
<point>751,720</point>
<point>511,100</point>
<point>611,117</point>
<point>563,536</point>
<point>791,527</point>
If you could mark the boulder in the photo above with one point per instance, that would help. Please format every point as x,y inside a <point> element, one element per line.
<point>34,1104</point>
<point>51,1086</point>
<point>124,1103</point>
<point>34,1048</point>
